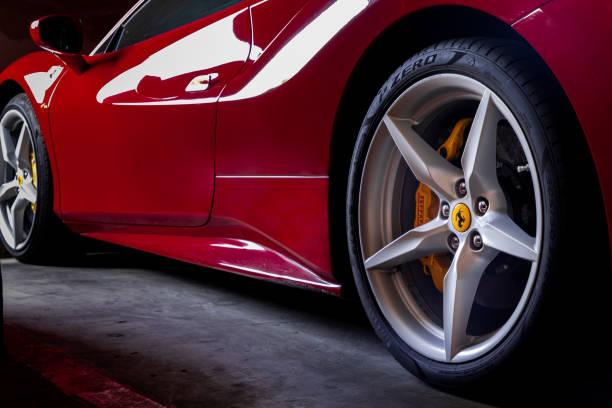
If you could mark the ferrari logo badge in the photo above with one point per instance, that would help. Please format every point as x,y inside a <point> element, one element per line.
<point>461,217</point>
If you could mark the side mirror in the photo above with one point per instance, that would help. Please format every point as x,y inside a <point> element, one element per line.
<point>63,36</point>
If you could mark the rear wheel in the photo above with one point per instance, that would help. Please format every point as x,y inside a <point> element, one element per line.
<point>455,209</point>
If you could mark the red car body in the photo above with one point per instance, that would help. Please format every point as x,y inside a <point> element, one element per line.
<point>246,175</point>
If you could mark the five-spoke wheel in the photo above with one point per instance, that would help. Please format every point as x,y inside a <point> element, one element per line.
<point>18,192</point>
<point>461,221</point>
<point>475,228</point>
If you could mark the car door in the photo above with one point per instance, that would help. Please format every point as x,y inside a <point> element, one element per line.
<point>134,133</point>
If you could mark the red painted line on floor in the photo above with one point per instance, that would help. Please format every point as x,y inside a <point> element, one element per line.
<point>76,378</point>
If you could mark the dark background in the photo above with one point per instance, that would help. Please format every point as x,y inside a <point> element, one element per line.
<point>16,16</point>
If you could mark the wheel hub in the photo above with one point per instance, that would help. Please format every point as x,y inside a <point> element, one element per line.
<point>462,218</point>
<point>427,203</point>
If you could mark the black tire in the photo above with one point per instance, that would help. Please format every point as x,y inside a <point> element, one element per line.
<point>48,233</point>
<point>521,79</point>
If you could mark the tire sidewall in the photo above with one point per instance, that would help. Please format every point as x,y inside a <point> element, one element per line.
<point>501,82</point>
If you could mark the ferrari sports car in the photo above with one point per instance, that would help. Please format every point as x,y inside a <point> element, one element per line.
<point>439,159</point>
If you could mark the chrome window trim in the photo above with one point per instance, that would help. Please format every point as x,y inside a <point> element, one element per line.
<point>117,26</point>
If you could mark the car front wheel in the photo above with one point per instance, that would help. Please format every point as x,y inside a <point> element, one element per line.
<point>457,209</point>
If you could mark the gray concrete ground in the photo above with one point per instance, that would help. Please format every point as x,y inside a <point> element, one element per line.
<point>186,336</point>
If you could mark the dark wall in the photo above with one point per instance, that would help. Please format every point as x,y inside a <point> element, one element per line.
<point>16,15</point>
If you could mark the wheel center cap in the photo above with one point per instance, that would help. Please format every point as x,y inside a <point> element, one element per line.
<point>20,178</point>
<point>462,218</point>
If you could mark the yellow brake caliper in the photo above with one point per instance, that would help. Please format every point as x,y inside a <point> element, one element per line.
<point>427,205</point>
<point>34,176</point>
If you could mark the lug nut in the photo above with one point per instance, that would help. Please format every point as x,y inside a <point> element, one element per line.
<point>453,242</point>
<point>483,206</point>
<point>477,241</point>
<point>445,210</point>
<point>461,188</point>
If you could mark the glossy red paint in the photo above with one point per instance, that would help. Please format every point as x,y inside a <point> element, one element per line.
<point>31,75</point>
<point>75,61</point>
<point>282,10</point>
<point>301,77</point>
<point>153,139</point>
<point>136,159</point>
<point>571,38</point>
<point>224,243</point>
<point>298,209</point>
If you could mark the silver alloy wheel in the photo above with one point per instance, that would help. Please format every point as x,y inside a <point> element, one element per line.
<point>18,177</point>
<point>386,247</point>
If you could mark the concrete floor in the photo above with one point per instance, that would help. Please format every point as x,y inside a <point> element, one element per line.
<point>186,336</point>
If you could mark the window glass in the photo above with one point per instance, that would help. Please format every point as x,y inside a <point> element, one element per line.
<point>106,46</point>
<point>158,16</point>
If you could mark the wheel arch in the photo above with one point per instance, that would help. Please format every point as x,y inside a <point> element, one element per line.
<point>367,77</point>
<point>8,90</point>
<point>11,86</point>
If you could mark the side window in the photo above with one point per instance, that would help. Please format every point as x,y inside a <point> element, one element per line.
<point>155,17</point>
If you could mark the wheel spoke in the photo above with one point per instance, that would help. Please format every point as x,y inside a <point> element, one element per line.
<point>422,241</point>
<point>479,158</point>
<point>426,164</point>
<point>9,190</point>
<point>460,285</point>
<point>8,146</point>
<point>17,217</point>
<point>28,191</point>
<point>22,150</point>
<point>501,233</point>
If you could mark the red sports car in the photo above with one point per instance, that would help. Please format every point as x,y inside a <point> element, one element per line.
<point>442,157</point>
